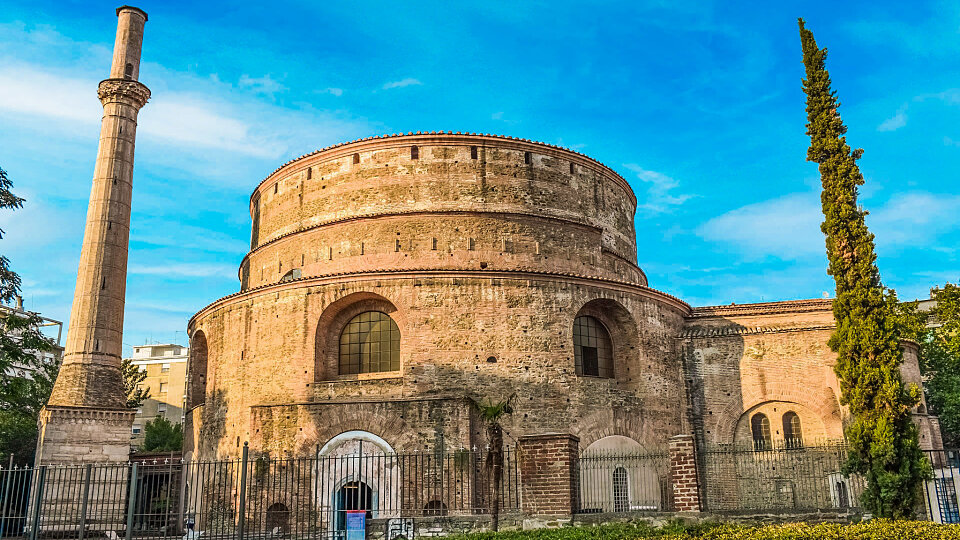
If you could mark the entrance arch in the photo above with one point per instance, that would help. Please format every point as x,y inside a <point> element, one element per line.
<point>357,470</point>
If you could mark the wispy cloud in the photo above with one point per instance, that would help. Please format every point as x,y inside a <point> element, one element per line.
<point>786,227</point>
<point>261,85</point>
<point>659,195</point>
<point>332,91</point>
<point>409,81</point>
<point>895,122</point>
<point>184,270</point>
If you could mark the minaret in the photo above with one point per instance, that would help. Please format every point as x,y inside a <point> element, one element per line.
<point>86,418</point>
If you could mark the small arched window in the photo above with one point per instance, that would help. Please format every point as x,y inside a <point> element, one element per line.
<point>356,158</point>
<point>792,435</point>
<point>369,343</point>
<point>621,490</point>
<point>414,152</point>
<point>592,349</point>
<point>760,426</point>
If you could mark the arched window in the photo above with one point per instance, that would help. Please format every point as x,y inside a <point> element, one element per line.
<point>370,343</point>
<point>197,369</point>
<point>414,152</point>
<point>592,349</point>
<point>760,425</point>
<point>792,435</point>
<point>621,491</point>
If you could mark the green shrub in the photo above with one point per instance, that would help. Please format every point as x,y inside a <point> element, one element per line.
<point>869,530</point>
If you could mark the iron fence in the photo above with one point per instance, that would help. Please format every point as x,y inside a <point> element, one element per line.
<point>624,482</point>
<point>941,492</point>
<point>788,477</point>
<point>248,497</point>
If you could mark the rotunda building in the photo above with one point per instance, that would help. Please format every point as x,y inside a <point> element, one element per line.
<point>392,281</point>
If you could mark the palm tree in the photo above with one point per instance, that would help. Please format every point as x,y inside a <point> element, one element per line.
<point>491,413</point>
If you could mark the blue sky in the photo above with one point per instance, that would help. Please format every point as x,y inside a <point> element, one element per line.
<point>698,105</point>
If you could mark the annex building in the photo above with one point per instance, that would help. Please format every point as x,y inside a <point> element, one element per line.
<point>393,280</point>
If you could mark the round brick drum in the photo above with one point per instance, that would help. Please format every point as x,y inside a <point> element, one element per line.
<point>392,280</point>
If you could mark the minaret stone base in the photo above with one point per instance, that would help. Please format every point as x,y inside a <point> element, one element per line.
<point>74,435</point>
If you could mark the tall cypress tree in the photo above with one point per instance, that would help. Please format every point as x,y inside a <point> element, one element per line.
<point>884,441</point>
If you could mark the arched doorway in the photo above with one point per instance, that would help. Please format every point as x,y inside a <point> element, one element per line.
<point>357,470</point>
<point>352,496</point>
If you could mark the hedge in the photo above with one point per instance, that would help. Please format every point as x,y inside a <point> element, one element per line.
<point>878,529</point>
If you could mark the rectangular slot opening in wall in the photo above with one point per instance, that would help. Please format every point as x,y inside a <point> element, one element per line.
<point>473,152</point>
<point>526,157</point>
<point>434,244</point>
<point>571,168</point>
<point>414,152</point>
<point>356,158</point>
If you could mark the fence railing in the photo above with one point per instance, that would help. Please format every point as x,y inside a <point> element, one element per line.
<point>310,497</point>
<point>253,497</point>
<point>624,482</point>
<point>941,492</point>
<point>787,477</point>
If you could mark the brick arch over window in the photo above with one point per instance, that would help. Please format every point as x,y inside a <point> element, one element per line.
<point>333,421</point>
<point>613,422</point>
<point>198,369</point>
<point>821,402</point>
<point>332,322</point>
<point>815,425</point>
<point>620,325</point>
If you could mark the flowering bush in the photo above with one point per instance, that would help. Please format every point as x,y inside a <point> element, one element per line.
<point>879,529</point>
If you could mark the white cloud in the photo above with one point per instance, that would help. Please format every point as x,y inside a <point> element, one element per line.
<point>497,116</point>
<point>895,122</point>
<point>334,91</point>
<point>787,227</point>
<point>914,219</point>
<point>658,196</point>
<point>29,91</point>
<point>402,83</point>
<point>184,270</point>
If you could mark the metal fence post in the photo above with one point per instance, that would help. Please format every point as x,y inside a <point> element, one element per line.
<point>86,496</point>
<point>243,492</point>
<point>35,528</point>
<point>6,496</point>
<point>131,500</point>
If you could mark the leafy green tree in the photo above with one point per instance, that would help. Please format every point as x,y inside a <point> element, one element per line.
<point>491,414</point>
<point>133,378</point>
<point>884,441</point>
<point>940,362</point>
<point>9,280</point>
<point>161,435</point>
<point>26,380</point>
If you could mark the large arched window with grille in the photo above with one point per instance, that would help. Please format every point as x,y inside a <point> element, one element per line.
<point>592,349</point>
<point>760,426</point>
<point>792,435</point>
<point>369,343</point>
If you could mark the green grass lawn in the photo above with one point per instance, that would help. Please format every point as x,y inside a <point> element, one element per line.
<point>870,530</point>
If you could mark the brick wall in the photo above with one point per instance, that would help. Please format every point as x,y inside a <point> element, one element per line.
<point>683,474</point>
<point>549,481</point>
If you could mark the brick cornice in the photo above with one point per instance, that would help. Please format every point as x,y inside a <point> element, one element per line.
<point>764,308</point>
<point>740,330</point>
<point>448,138</point>
<point>421,273</point>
